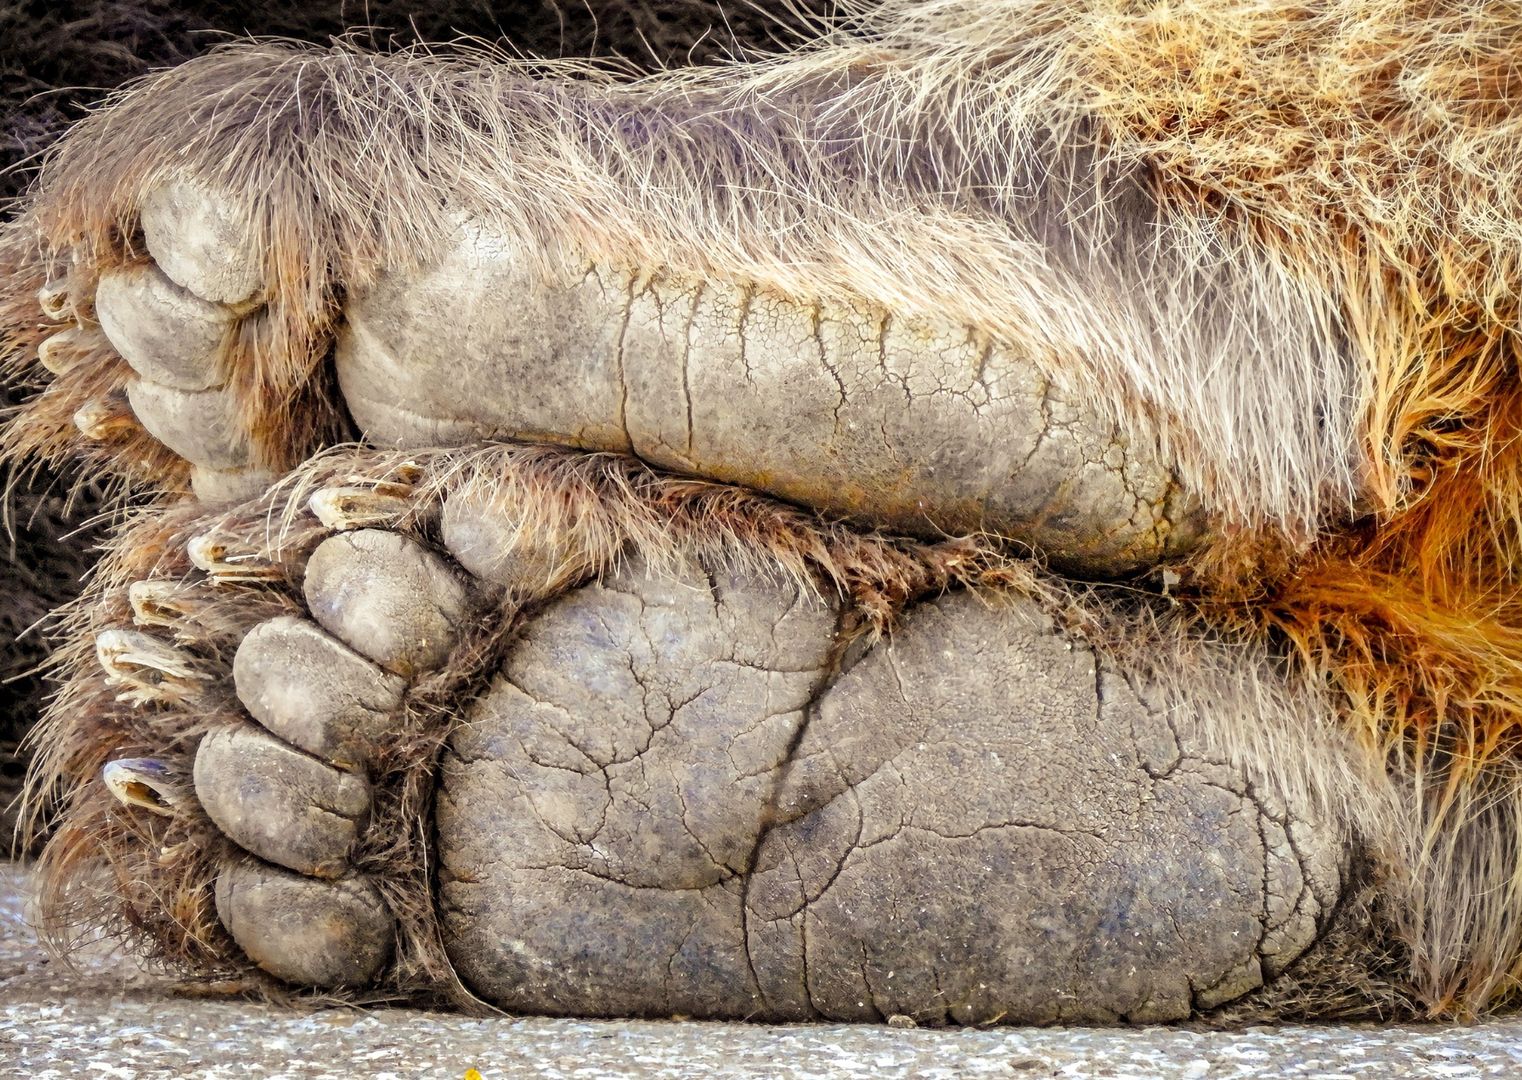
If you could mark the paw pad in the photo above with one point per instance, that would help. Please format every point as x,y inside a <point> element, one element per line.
<point>691,755</point>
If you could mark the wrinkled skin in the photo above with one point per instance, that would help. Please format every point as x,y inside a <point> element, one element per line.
<point>911,425</point>
<point>694,786</point>
<point>739,835</point>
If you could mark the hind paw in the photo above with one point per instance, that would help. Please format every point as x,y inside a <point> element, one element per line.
<point>252,335</point>
<point>647,762</point>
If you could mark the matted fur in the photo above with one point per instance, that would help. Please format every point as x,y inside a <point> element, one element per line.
<point>1288,241</point>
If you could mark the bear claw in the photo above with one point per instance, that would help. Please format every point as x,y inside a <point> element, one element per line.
<point>55,301</point>
<point>149,669</point>
<point>212,555</point>
<point>143,782</point>
<point>344,508</point>
<point>105,419</point>
<point>60,352</point>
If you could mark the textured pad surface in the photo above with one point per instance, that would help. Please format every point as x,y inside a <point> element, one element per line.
<point>667,803</point>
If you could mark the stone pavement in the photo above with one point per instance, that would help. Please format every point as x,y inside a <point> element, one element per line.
<point>105,1019</point>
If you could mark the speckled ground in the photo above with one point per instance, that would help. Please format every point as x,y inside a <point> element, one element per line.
<point>106,1019</point>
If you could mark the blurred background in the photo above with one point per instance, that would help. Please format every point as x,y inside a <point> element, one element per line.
<point>59,59</point>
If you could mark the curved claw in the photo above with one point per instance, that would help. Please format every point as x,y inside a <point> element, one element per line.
<point>148,668</point>
<point>160,603</point>
<point>143,782</point>
<point>60,353</point>
<point>53,298</point>
<point>222,563</point>
<point>344,508</point>
<point>105,419</point>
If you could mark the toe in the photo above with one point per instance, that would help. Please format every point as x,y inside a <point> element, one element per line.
<point>389,598</point>
<point>216,487</point>
<point>278,803</point>
<point>200,426</point>
<point>315,692</point>
<point>308,932</point>
<point>166,334</point>
<point>202,241</point>
<point>500,544</point>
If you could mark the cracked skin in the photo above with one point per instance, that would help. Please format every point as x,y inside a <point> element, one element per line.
<point>914,425</point>
<point>804,841</point>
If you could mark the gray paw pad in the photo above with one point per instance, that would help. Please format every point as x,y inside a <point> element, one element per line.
<point>669,803</point>
<point>603,802</point>
<point>165,334</point>
<point>201,426</point>
<point>388,598</point>
<point>315,692</point>
<point>506,549</point>
<point>280,803</point>
<point>202,241</point>
<point>304,930</point>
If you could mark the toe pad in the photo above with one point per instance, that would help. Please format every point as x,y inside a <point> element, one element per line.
<point>308,932</point>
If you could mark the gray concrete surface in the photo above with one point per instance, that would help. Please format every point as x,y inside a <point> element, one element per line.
<point>105,1019</point>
